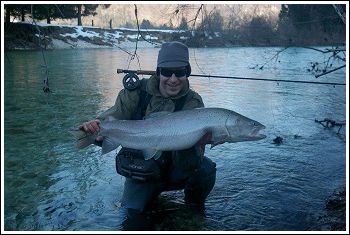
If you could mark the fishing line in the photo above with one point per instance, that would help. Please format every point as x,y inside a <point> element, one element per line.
<point>286,110</point>
<point>273,128</point>
<point>268,80</point>
<point>195,59</point>
<point>149,72</point>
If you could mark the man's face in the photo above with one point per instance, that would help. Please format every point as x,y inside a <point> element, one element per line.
<point>172,80</point>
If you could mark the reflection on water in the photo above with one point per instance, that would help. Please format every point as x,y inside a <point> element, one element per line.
<point>260,186</point>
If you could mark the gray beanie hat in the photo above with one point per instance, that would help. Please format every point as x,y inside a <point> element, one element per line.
<point>172,55</point>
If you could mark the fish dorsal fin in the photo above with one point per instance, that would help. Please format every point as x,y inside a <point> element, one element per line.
<point>110,118</point>
<point>156,114</point>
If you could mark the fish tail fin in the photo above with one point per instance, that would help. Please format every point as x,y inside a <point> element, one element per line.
<point>83,139</point>
<point>108,145</point>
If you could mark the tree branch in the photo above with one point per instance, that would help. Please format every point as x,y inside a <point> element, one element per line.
<point>330,71</point>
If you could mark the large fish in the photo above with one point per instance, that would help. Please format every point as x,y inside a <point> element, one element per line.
<point>180,130</point>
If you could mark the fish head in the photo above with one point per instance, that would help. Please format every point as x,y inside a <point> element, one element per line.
<point>241,128</point>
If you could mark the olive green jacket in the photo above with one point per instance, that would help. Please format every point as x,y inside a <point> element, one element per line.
<point>127,103</point>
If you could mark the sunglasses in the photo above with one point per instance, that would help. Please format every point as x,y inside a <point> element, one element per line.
<point>169,72</point>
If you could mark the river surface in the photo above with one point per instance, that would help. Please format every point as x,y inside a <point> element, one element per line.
<point>260,186</point>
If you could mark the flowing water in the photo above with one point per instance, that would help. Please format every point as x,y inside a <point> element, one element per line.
<point>261,186</point>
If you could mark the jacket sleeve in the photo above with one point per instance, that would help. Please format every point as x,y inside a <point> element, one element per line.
<point>195,101</point>
<point>125,106</point>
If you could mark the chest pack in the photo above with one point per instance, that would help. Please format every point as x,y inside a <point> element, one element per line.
<point>130,162</point>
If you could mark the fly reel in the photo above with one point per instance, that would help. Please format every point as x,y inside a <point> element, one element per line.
<point>131,81</point>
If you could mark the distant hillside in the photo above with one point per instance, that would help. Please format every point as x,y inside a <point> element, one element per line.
<point>171,14</point>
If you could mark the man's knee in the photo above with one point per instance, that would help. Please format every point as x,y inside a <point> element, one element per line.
<point>201,182</point>
<point>138,196</point>
<point>205,175</point>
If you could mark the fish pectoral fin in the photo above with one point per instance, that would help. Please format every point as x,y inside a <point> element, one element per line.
<point>205,139</point>
<point>217,139</point>
<point>149,153</point>
<point>108,145</point>
<point>213,144</point>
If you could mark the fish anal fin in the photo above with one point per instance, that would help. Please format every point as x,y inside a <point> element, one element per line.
<point>108,145</point>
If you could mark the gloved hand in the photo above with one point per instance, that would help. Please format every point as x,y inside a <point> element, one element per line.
<point>92,127</point>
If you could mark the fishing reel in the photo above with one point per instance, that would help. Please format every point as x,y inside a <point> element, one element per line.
<point>131,81</point>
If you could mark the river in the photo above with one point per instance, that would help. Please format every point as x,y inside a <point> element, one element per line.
<point>260,186</point>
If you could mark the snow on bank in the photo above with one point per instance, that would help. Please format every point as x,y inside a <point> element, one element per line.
<point>124,29</point>
<point>79,32</point>
<point>53,36</point>
<point>95,37</point>
<point>111,38</point>
<point>155,30</point>
<point>80,44</point>
<point>59,44</point>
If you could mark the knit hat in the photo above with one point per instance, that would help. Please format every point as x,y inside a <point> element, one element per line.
<point>172,55</point>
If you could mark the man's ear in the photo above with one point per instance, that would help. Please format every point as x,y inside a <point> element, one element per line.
<point>188,70</point>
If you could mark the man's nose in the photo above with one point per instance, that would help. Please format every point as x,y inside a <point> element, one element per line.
<point>173,77</point>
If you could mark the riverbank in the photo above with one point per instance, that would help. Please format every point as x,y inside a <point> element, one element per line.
<point>26,36</point>
<point>29,36</point>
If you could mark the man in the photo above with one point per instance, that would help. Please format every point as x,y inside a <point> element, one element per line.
<point>168,90</point>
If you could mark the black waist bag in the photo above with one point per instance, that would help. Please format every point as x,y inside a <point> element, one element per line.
<point>131,163</point>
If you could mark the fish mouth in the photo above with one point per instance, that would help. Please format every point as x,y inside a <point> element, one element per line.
<point>249,138</point>
<point>256,135</point>
<point>259,137</point>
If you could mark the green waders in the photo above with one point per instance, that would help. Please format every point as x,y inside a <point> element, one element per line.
<point>197,184</point>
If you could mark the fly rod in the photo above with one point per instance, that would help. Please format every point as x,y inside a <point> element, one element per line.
<point>132,74</point>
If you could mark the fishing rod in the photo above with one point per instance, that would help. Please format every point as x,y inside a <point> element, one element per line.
<point>131,79</point>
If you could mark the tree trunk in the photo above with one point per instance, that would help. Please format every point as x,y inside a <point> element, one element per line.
<point>22,14</point>
<point>8,16</point>
<point>79,15</point>
<point>48,18</point>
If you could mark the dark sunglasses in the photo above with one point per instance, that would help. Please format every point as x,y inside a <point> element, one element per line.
<point>169,72</point>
